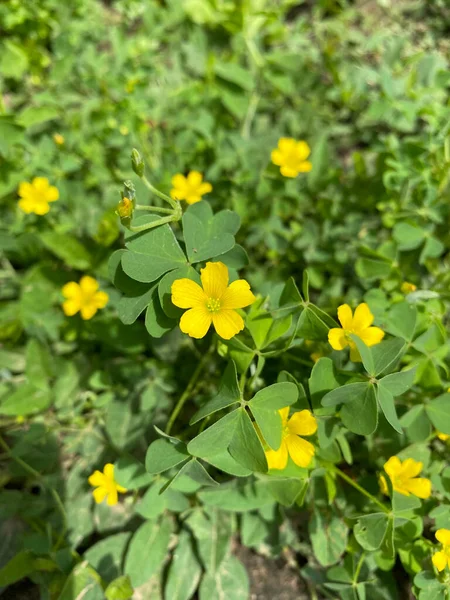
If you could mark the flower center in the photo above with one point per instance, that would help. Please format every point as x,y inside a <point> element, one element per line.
<point>213,305</point>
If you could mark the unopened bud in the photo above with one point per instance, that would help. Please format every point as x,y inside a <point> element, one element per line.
<point>137,163</point>
<point>125,208</point>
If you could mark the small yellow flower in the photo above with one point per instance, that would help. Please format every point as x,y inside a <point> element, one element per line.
<point>83,297</point>
<point>106,486</point>
<point>443,436</point>
<point>35,196</point>
<point>315,356</point>
<point>291,157</point>
<point>125,208</point>
<point>58,139</point>
<point>301,451</point>
<point>215,303</point>
<point>442,558</point>
<point>190,188</point>
<point>407,287</point>
<point>358,324</point>
<point>403,476</point>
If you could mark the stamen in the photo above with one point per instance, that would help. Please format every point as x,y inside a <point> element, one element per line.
<point>213,304</point>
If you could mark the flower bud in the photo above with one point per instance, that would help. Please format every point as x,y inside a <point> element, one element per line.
<point>125,208</point>
<point>137,163</point>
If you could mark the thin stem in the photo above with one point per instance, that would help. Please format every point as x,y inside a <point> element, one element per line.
<point>153,224</point>
<point>168,211</point>
<point>358,567</point>
<point>173,203</point>
<point>187,392</point>
<point>361,490</point>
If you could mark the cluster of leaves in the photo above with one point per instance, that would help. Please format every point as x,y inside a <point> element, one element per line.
<point>213,86</point>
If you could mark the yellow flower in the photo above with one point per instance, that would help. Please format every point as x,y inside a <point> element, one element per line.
<point>125,208</point>
<point>291,157</point>
<point>443,436</point>
<point>35,196</point>
<point>58,139</point>
<point>105,485</point>
<point>190,188</point>
<point>358,324</point>
<point>301,451</point>
<point>403,476</point>
<point>442,558</point>
<point>215,303</point>
<point>407,287</point>
<point>315,356</point>
<point>83,297</point>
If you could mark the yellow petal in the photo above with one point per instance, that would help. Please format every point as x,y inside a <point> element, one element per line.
<point>26,189</point>
<point>237,295</point>
<point>288,171</point>
<point>371,335</point>
<point>337,339</point>
<point>108,470</point>
<point>393,466</point>
<point>214,279</point>
<point>71,307</point>
<point>286,145</point>
<point>52,194</point>
<point>443,436</point>
<point>121,489</point>
<point>194,178</point>
<point>196,322</point>
<point>71,290</point>
<point>177,193</point>
<point>277,157</point>
<point>443,536</point>
<point>100,494</point>
<point>277,459</point>
<point>88,285</point>
<point>101,299</point>
<point>410,468</point>
<point>300,450</point>
<point>439,560</point>
<point>204,188</point>
<point>383,485</point>
<point>41,207</point>
<point>27,205</point>
<point>362,318</point>
<point>303,423</point>
<point>284,414</point>
<point>40,184</point>
<point>88,311</point>
<point>112,498</point>
<point>345,316</point>
<point>227,323</point>
<point>420,487</point>
<point>193,198</point>
<point>304,167</point>
<point>97,478</point>
<point>303,150</point>
<point>188,294</point>
<point>179,181</point>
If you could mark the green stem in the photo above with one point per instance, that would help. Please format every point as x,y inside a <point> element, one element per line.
<point>358,567</point>
<point>187,392</point>
<point>168,211</point>
<point>153,224</point>
<point>361,490</point>
<point>38,476</point>
<point>173,203</point>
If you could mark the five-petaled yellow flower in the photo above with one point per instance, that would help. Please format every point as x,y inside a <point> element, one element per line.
<point>83,297</point>
<point>358,324</point>
<point>215,303</point>
<point>190,188</point>
<point>407,287</point>
<point>442,558</point>
<point>106,486</point>
<point>291,157</point>
<point>35,196</point>
<point>403,476</point>
<point>301,451</point>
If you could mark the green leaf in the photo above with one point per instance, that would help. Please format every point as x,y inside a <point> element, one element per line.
<point>151,253</point>
<point>36,115</point>
<point>213,531</point>
<point>438,411</point>
<point>165,286</point>
<point>164,454</point>
<point>286,491</point>
<point>275,396</point>
<point>147,550</point>
<point>361,414</point>
<point>370,530</point>
<point>11,133</point>
<point>402,319</point>
<point>313,324</point>
<point>215,439</point>
<point>408,236</point>
<point>366,355</point>
<point>245,445</point>
<point>195,471</point>
<point>385,354</point>
<point>270,425</point>
<point>106,555</point>
<point>119,589</point>
<point>14,59</point>
<point>328,533</point>
<point>83,582</point>
<point>399,383</point>
<point>184,572</point>
<point>25,400</point>
<point>153,503</point>
<point>230,582</point>
<point>225,462</point>
<point>131,473</point>
<point>157,322</point>
<point>67,248</point>
<point>235,74</point>
<point>344,394</point>
<point>238,496</point>
<point>207,235</point>
<point>20,566</point>
<point>228,394</point>
<point>322,381</point>
<point>38,369</point>
<point>387,405</point>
